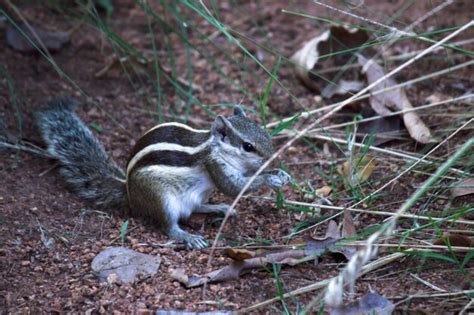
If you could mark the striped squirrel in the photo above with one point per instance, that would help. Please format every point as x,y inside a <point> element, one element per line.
<point>172,169</point>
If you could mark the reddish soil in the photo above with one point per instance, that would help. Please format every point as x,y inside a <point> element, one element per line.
<point>33,197</point>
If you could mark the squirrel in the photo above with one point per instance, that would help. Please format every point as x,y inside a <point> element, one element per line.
<point>172,169</point>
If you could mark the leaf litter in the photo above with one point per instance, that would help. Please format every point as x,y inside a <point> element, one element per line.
<point>342,39</point>
<point>245,260</point>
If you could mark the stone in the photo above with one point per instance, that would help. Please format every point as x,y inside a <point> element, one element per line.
<point>126,264</point>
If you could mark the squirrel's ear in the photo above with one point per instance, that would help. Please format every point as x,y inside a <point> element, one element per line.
<point>239,111</point>
<point>219,127</point>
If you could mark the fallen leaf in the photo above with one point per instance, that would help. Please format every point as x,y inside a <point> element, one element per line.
<point>236,268</point>
<point>341,88</point>
<point>323,191</point>
<point>454,240</point>
<point>371,303</point>
<point>337,38</point>
<point>348,227</point>
<point>317,246</point>
<point>24,38</point>
<point>358,171</point>
<point>333,230</point>
<point>393,100</point>
<point>239,254</point>
<point>465,187</point>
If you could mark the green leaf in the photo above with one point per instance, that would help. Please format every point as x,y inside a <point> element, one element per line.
<point>467,258</point>
<point>107,6</point>
<point>430,254</point>
<point>280,199</point>
<point>284,125</point>
<point>123,230</point>
<point>268,88</point>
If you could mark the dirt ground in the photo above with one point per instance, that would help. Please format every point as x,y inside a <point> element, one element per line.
<point>33,197</point>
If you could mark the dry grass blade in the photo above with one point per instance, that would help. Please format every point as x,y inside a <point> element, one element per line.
<point>327,115</point>
<point>321,284</point>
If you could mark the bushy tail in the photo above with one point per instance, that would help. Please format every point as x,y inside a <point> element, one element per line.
<point>84,163</point>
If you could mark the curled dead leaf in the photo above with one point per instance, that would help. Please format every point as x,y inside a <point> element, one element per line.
<point>465,187</point>
<point>384,103</point>
<point>337,38</point>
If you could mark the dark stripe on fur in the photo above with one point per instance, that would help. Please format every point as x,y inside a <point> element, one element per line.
<point>170,158</point>
<point>170,134</point>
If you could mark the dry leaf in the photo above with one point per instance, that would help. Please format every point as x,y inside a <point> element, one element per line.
<point>236,268</point>
<point>454,240</point>
<point>239,254</point>
<point>465,187</point>
<point>337,38</point>
<point>342,87</point>
<point>317,246</point>
<point>53,41</point>
<point>371,303</point>
<point>393,100</point>
<point>359,171</point>
<point>323,191</point>
<point>348,227</point>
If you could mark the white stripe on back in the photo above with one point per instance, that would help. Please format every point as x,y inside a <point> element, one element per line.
<point>166,146</point>
<point>176,124</point>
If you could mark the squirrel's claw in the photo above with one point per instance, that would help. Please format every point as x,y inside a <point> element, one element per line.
<point>192,241</point>
<point>195,242</point>
<point>277,179</point>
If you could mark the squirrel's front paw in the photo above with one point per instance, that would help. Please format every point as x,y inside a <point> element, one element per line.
<point>277,178</point>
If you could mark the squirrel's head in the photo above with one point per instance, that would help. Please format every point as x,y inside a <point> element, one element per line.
<point>240,141</point>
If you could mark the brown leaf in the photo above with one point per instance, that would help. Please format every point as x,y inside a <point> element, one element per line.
<point>465,187</point>
<point>348,227</point>
<point>359,171</point>
<point>393,100</point>
<point>18,38</point>
<point>317,247</point>
<point>236,268</point>
<point>333,230</point>
<point>454,240</point>
<point>337,38</point>
<point>323,191</point>
<point>239,254</point>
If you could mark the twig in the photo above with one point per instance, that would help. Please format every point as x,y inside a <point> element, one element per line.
<point>321,284</point>
<point>413,109</point>
<point>467,307</point>
<point>427,283</point>
<point>430,295</point>
<point>335,289</point>
<point>325,116</point>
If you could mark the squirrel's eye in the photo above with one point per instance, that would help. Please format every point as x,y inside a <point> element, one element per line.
<point>248,147</point>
